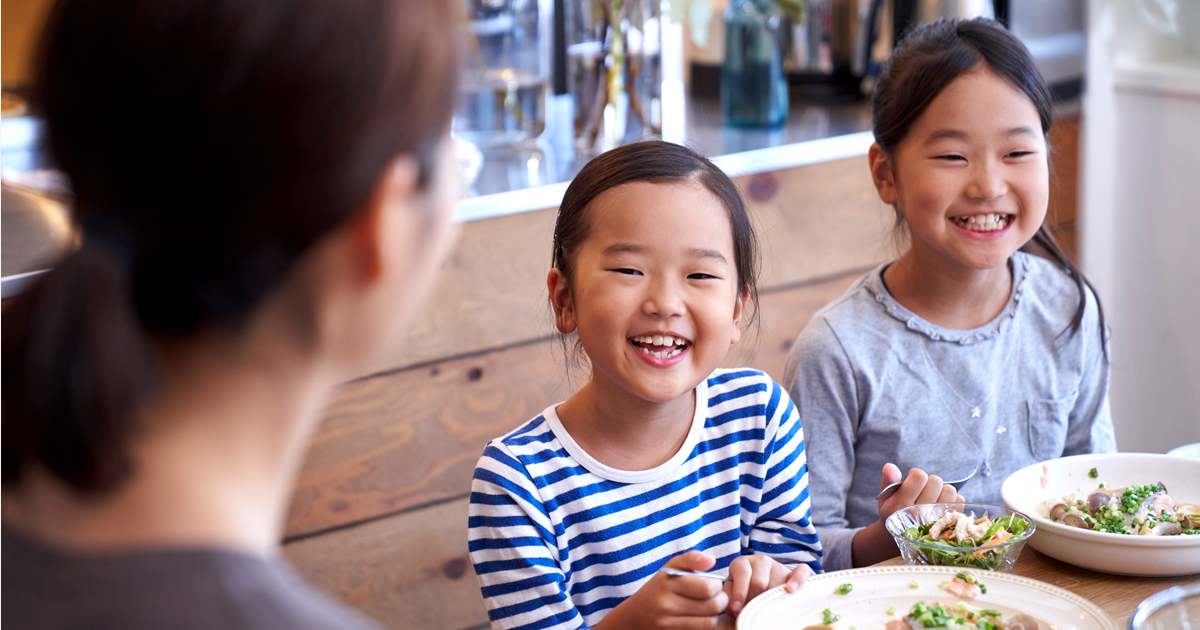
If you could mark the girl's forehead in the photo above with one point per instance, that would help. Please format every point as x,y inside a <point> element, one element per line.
<point>978,103</point>
<point>675,212</point>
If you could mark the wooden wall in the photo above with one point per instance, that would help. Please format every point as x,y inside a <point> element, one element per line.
<point>379,513</point>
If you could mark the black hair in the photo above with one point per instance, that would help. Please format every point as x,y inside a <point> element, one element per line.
<point>658,162</point>
<point>930,58</point>
<point>209,144</point>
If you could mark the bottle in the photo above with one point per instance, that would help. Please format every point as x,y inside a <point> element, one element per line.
<point>754,90</point>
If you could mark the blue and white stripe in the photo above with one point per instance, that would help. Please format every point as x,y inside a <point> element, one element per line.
<point>559,539</point>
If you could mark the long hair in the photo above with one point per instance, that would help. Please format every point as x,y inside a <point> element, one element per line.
<point>209,144</point>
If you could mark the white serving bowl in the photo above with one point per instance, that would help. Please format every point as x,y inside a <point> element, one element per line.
<point>1112,553</point>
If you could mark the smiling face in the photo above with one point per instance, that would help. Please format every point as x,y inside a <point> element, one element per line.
<point>654,293</point>
<point>971,177</point>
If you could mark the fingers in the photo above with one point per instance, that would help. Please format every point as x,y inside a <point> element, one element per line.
<point>797,577</point>
<point>692,561</point>
<point>932,490</point>
<point>749,577</point>
<point>891,474</point>
<point>910,490</point>
<point>739,583</point>
<point>948,494</point>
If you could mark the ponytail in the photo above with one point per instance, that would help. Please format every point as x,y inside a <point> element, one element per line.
<point>1045,240</point>
<point>77,369</point>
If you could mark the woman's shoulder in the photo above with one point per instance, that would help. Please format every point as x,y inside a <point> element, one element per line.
<point>1050,291</point>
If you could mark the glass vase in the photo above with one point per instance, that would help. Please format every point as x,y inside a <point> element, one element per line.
<point>754,88</point>
<point>505,77</point>
<point>614,71</point>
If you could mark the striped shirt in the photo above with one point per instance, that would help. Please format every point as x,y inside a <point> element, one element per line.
<point>558,539</point>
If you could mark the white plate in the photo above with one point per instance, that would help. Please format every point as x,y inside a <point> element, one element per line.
<point>1101,551</point>
<point>878,588</point>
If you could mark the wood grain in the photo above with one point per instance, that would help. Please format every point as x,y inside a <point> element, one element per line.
<point>820,220</point>
<point>1064,173</point>
<point>409,571</point>
<point>396,441</point>
<point>1117,595</point>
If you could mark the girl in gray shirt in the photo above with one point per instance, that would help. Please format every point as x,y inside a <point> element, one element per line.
<point>963,352</point>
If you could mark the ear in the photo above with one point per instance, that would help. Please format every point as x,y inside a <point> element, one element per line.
<point>739,310</point>
<point>881,174</point>
<point>560,299</point>
<point>375,231</point>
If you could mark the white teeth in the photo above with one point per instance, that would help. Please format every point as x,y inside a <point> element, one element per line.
<point>657,340</point>
<point>680,342</point>
<point>983,222</point>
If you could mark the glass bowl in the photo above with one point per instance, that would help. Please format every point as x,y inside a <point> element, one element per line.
<point>1177,608</point>
<point>1000,557</point>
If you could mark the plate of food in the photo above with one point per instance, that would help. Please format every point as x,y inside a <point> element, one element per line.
<point>919,597</point>
<point>970,535</point>
<point>1126,513</point>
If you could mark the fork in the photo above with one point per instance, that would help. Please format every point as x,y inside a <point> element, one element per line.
<point>890,489</point>
<point>680,572</point>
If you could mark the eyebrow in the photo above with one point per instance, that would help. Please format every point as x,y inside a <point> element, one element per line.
<point>633,248</point>
<point>958,134</point>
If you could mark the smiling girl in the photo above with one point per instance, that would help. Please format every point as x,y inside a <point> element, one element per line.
<point>966,351</point>
<point>660,459</point>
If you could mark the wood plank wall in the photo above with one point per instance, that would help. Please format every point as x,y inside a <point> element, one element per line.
<point>379,514</point>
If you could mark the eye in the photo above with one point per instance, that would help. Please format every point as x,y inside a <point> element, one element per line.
<point>701,276</point>
<point>1019,154</point>
<point>951,158</point>
<point>628,272</point>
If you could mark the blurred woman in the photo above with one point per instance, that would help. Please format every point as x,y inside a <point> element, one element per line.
<point>263,189</point>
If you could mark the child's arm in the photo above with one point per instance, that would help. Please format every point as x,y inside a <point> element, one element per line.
<point>513,545</point>
<point>782,532</point>
<point>1090,428</point>
<point>873,543</point>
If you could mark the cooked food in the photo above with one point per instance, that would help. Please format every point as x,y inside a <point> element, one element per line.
<point>1137,510</point>
<point>960,617</point>
<point>962,540</point>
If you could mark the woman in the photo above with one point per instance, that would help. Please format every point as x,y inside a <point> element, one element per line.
<point>264,190</point>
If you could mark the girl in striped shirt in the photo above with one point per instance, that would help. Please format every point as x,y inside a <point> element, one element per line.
<point>660,459</point>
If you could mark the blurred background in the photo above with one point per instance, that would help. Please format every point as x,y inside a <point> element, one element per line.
<point>379,513</point>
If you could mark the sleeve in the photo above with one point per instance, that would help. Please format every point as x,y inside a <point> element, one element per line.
<point>783,528</point>
<point>820,379</point>
<point>511,538</point>
<point>1090,426</point>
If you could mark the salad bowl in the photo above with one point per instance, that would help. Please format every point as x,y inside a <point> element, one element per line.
<point>1033,488</point>
<point>909,527</point>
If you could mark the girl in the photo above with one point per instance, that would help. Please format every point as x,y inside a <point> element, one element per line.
<point>264,195</point>
<point>660,459</point>
<point>964,352</point>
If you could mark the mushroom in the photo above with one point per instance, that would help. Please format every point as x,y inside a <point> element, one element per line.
<point>1056,512</point>
<point>1071,519</point>
<point>1097,500</point>
<point>1190,521</point>
<point>1020,621</point>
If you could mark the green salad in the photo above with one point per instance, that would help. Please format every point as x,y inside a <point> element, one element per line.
<point>959,540</point>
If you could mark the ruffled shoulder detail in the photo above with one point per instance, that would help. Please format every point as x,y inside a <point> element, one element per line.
<point>1020,262</point>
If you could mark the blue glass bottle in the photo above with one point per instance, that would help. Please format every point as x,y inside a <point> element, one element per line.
<point>754,89</point>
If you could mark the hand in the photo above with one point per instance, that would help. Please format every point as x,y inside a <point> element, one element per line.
<point>666,601</point>
<point>918,487</point>
<point>749,576</point>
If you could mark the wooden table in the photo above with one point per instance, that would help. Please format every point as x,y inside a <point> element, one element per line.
<point>1116,595</point>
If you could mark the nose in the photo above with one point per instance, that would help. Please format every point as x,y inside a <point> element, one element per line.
<point>987,181</point>
<point>663,299</point>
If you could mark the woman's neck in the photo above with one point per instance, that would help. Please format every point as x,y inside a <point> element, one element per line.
<point>948,295</point>
<point>624,431</point>
<point>213,465</point>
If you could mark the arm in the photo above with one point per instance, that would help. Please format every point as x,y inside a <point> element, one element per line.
<point>1090,428</point>
<point>821,382</point>
<point>512,545</point>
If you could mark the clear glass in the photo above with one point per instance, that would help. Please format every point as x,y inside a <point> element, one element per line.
<point>754,89</point>
<point>505,77</point>
<point>1177,608</point>
<point>614,71</point>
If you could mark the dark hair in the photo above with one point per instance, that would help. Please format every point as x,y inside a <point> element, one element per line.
<point>931,57</point>
<point>209,144</point>
<point>658,162</point>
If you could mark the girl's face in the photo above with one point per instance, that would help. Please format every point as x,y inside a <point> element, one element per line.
<point>971,177</point>
<point>654,294</point>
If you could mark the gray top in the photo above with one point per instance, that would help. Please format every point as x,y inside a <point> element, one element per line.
<point>875,383</point>
<point>184,589</point>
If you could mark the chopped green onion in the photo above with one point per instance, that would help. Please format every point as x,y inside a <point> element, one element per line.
<point>830,617</point>
<point>1093,473</point>
<point>891,610</point>
<point>844,589</point>
<point>914,584</point>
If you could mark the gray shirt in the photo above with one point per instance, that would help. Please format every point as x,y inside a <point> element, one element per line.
<point>875,383</point>
<point>179,589</point>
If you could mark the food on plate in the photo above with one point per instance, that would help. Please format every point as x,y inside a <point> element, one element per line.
<point>959,616</point>
<point>965,586</point>
<point>967,541</point>
<point>1138,510</point>
<point>844,589</point>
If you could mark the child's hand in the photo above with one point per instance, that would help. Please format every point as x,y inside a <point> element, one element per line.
<point>918,487</point>
<point>666,601</point>
<point>749,576</point>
